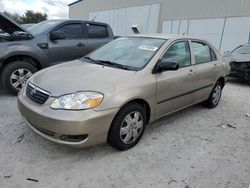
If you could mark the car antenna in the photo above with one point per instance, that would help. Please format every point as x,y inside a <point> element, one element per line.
<point>93,19</point>
<point>187,27</point>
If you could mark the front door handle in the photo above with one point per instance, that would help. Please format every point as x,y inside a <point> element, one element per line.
<point>80,45</point>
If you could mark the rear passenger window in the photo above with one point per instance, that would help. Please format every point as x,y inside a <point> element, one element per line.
<point>203,53</point>
<point>72,31</point>
<point>97,31</point>
<point>178,53</point>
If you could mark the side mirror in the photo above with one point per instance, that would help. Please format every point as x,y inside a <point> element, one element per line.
<point>57,35</point>
<point>162,66</point>
<point>20,35</point>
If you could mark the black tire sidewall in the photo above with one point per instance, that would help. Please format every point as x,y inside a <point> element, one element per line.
<point>114,132</point>
<point>210,103</point>
<point>9,69</point>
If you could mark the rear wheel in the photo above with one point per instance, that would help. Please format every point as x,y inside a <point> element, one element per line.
<point>215,96</point>
<point>127,127</point>
<point>15,75</point>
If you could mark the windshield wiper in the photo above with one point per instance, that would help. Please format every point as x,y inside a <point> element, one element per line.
<point>93,60</point>
<point>112,64</point>
<point>109,63</point>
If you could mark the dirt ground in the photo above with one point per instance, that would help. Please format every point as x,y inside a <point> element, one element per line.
<point>196,147</point>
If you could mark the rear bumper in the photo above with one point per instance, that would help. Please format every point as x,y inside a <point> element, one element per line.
<point>71,128</point>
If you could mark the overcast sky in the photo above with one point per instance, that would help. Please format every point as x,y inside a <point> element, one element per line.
<point>54,8</point>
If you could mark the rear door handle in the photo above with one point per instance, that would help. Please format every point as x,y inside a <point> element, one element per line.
<point>215,65</point>
<point>191,71</point>
<point>80,45</point>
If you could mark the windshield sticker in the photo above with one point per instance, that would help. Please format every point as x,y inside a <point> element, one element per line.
<point>147,47</point>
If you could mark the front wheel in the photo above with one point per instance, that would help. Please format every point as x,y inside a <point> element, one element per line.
<point>215,96</point>
<point>127,127</point>
<point>15,75</point>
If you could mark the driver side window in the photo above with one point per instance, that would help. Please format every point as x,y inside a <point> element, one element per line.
<point>179,53</point>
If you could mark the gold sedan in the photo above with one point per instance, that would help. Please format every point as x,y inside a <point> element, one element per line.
<point>113,93</point>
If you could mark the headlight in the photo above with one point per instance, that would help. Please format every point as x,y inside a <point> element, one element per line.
<point>77,101</point>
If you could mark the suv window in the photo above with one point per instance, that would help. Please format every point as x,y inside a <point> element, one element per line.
<point>178,53</point>
<point>72,31</point>
<point>203,53</point>
<point>97,31</point>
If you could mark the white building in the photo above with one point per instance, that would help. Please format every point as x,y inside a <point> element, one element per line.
<point>226,23</point>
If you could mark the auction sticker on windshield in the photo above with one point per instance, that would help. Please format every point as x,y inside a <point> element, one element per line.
<point>147,47</point>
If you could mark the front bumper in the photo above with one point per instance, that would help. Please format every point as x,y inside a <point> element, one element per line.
<point>240,70</point>
<point>240,74</point>
<point>73,128</point>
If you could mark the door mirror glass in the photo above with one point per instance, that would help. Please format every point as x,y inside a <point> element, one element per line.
<point>163,65</point>
<point>57,35</point>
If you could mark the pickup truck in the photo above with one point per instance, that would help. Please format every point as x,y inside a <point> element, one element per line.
<point>26,51</point>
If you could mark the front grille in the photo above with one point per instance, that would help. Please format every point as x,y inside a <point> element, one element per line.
<point>240,65</point>
<point>37,94</point>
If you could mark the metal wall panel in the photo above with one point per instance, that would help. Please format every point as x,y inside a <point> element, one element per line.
<point>121,20</point>
<point>209,29</point>
<point>236,33</point>
<point>170,9</point>
<point>236,30</point>
<point>153,18</point>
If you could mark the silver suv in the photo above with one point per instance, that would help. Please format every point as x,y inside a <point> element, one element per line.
<point>25,51</point>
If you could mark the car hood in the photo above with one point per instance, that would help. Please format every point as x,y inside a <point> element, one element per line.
<point>235,57</point>
<point>79,76</point>
<point>10,26</point>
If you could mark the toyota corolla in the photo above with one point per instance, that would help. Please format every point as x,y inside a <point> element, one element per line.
<point>113,93</point>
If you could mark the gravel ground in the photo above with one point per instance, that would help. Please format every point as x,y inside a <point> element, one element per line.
<point>196,147</point>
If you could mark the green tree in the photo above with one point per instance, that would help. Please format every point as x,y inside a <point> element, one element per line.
<point>28,17</point>
<point>33,17</point>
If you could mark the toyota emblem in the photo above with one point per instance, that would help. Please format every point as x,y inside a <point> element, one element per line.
<point>33,92</point>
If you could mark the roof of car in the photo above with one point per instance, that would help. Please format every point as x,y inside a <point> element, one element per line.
<point>164,36</point>
<point>75,20</point>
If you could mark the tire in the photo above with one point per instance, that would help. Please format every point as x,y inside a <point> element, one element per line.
<point>120,139</point>
<point>215,96</point>
<point>16,74</point>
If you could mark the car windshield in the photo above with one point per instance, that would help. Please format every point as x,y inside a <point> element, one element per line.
<point>132,53</point>
<point>43,26</point>
<point>242,50</point>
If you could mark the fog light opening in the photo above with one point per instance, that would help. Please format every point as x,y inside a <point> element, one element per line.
<point>74,138</point>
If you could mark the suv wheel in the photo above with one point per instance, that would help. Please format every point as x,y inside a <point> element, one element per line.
<point>127,127</point>
<point>215,96</point>
<point>16,74</point>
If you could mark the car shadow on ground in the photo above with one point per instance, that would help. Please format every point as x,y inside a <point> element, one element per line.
<point>239,82</point>
<point>3,92</point>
